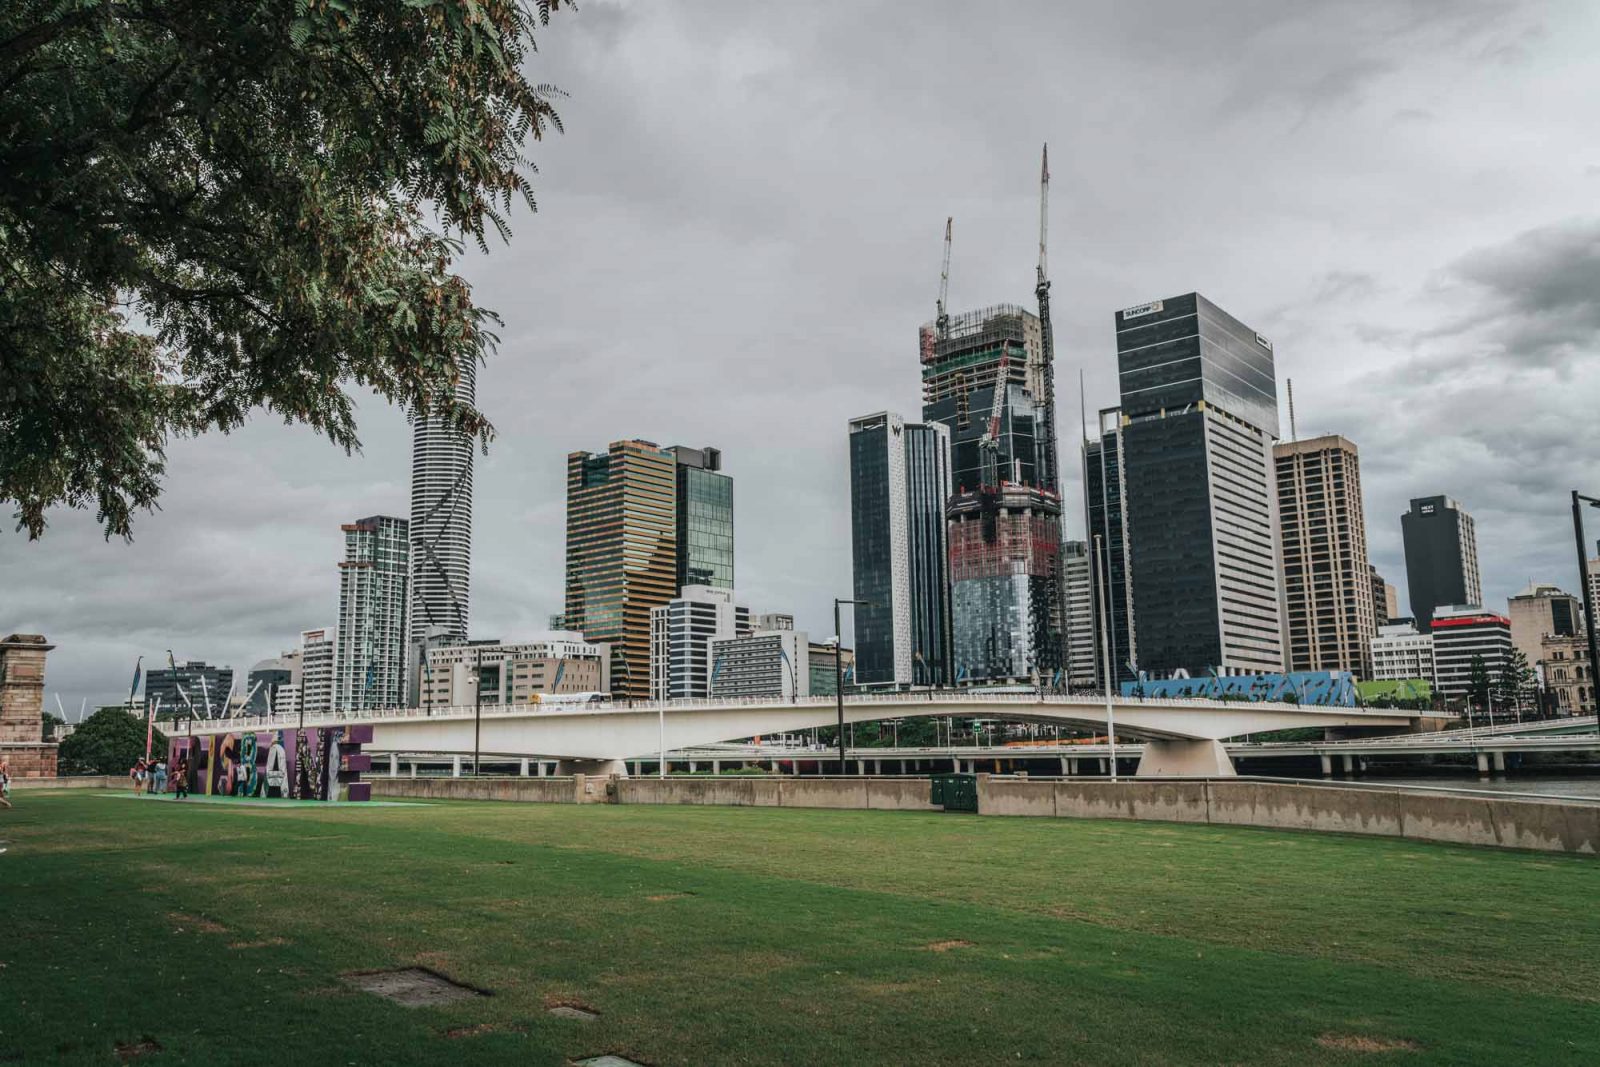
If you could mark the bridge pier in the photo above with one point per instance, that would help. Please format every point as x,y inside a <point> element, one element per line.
<point>455,766</point>
<point>1483,765</point>
<point>394,765</point>
<point>1196,758</point>
<point>716,766</point>
<point>598,768</point>
<point>1499,763</point>
<point>1327,766</point>
<point>1349,765</point>
<point>524,768</point>
<point>413,768</point>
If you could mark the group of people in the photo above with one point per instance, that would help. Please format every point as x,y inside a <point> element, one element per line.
<point>5,783</point>
<point>152,776</point>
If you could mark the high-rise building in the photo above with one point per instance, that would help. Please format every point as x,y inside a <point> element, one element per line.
<point>1441,556</point>
<point>441,528</point>
<point>513,673</point>
<point>1081,673</point>
<point>1541,611</point>
<point>1399,653</point>
<point>1199,417</point>
<point>374,594</point>
<point>194,688</point>
<point>705,518</point>
<point>986,376</point>
<point>261,685</point>
<point>1106,515</point>
<point>1593,575</point>
<point>622,552</point>
<point>1463,636</point>
<point>681,633</point>
<point>899,481</point>
<point>1385,598</point>
<point>1327,578</point>
<point>766,663</point>
<point>316,669</point>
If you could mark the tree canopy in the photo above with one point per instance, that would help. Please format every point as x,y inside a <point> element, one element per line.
<point>108,742</point>
<point>209,207</point>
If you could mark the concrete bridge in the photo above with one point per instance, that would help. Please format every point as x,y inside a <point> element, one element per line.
<point>1181,737</point>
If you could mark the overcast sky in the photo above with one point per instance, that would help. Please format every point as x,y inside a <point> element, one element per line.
<point>739,234</point>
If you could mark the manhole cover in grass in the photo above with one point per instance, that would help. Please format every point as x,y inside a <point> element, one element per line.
<point>413,987</point>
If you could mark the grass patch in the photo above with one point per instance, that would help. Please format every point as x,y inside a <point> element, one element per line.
<point>772,936</point>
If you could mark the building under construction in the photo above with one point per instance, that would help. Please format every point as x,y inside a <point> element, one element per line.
<point>982,375</point>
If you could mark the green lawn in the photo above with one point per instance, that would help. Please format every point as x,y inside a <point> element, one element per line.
<point>742,935</point>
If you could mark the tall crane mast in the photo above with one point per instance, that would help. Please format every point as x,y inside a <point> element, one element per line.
<point>1046,475</point>
<point>989,443</point>
<point>943,319</point>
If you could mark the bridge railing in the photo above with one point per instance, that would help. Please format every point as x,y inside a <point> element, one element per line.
<point>907,700</point>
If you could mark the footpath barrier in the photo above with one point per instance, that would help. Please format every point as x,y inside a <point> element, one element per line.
<point>78,781</point>
<point>1456,817</point>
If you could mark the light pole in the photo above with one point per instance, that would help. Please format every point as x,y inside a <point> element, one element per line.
<point>1578,500</point>
<point>477,706</point>
<point>1105,654</point>
<point>838,667</point>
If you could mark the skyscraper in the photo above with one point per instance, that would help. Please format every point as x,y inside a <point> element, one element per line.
<point>983,375</point>
<point>316,669</point>
<point>1327,577</point>
<point>1441,557</point>
<point>705,518</point>
<point>441,528</point>
<point>1541,611</point>
<point>1199,416</point>
<point>374,593</point>
<point>1081,673</point>
<point>1385,598</point>
<point>1464,637</point>
<point>622,552</point>
<point>1106,514</point>
<point>899,481</point>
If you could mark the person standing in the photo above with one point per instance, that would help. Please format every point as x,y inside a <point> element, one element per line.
<point>137,775</point>
<point>158,776</point>
<point>180,778</point>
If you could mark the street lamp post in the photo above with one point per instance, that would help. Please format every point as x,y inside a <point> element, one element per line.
<point>1105,653</point>
<point>477,707</point>
<point>838,667</point>
<point>1578,500</point>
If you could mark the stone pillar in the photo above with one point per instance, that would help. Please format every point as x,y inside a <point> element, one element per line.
<point>524,768</point>
<point>716,766</point>
<point>455,766</point>
<point>394,765</point>
<point>22,743</point>
<point>413,768</point>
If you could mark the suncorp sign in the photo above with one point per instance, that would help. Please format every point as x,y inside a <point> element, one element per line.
<point>1141,310</point>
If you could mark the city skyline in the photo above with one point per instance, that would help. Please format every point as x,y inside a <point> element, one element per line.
<point>1367,291</point>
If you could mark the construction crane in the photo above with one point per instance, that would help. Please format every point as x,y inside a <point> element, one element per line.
<point>943,319</point>
<point>989,443</point>
<point>1046,376</point>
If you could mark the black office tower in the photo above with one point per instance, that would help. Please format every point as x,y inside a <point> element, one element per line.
<point>1106,519</point>
<point>1199,417</point>
<point>1441,557</point>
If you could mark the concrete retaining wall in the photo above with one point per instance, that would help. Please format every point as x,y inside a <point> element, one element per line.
<point>1549,826</point>
<point>79,781</point>
<point>525,790</point>
<point>898,794</point>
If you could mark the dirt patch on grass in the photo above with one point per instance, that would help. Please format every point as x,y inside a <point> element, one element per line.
<point>1364,1043</point>
<point>569,1007</point>
<point>265,942</point>
<point>947,946</point>
<point>413,987</point>
<point>132,1050</point>
<point>656,898</point>
<point>198,923</point>
<point>484,1028</point>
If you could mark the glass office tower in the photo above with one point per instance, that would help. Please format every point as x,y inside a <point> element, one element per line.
<point>1441,547</point>
<point>899,481</point>
<point>1199,418</point>
<point>705,518</point>
<point>1106,506</point>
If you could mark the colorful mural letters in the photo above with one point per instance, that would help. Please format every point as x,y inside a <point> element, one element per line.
<point>313,763</point>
